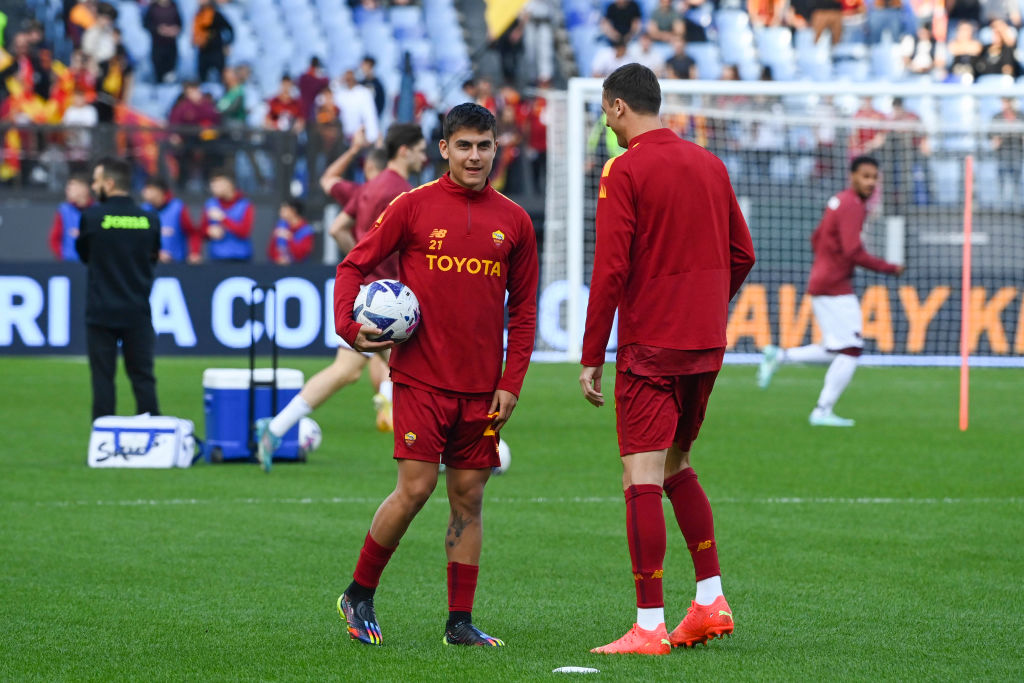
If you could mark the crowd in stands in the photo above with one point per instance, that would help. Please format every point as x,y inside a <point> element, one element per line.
<point>944,40</point>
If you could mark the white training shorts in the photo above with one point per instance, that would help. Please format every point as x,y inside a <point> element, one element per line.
<point>840,319</point>
<point>342,344</point>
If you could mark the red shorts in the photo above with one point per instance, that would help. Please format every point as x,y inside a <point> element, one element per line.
<point>436,428</point>
<point>652,413</point>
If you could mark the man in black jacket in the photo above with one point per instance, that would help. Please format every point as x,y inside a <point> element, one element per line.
<point>119,243</point>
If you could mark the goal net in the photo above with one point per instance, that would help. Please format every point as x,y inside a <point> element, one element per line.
<point>788,147</point>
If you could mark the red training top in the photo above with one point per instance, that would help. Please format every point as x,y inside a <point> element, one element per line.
<point>837,247</point>
<point>672,250</point>
<point>459,250</point>
<point>365,208</point>
<point>342,190</point>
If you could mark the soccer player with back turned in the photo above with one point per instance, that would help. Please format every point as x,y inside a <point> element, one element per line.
<point>837,251</point>
<point>461,245</point>
<point>672,250</point>
<point>119,243</point>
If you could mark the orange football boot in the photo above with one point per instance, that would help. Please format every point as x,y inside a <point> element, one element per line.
<point>703,623</point>
<point>638,641</point>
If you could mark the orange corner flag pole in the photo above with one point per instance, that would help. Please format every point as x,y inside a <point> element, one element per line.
<point>965,293</point>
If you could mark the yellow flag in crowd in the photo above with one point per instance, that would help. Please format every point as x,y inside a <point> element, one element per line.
<point>500,14</point>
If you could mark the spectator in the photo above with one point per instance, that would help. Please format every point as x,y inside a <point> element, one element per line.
<point>115,82</point>
<point>227,220</point>
<point>919,51</point>
<point>357,109</point>
<point>665,23</point>
<point>697,17</point>
<point>885,15</point>
<point>80,19</point>
<point>369,79</point>
<point>644,52</point>
<point>211,34</point>
<point>180,240</point>
<point>959,11</point>
<point>797,14</point>
<point>284,111</point>
<point>538,39</point>
<point>621,21</point>
<point>26,67</point>
<point>964,49</point>
<point>192,118</point>
<point>311,83</point>
<point>328,124</point>
<point>231,105</point>
<point>79,117</point>
<point>854,21</point>
<point>1009,150</point>
<point>163,21</point>
<point>510,49</point>
<point>99,41</point>
<point>485,95</point>
<point>767,12</point>
<point>827,15</point>
<point>904,151</point>
<point>64,230</point>
<point>865,140</point>
<point>997,57</point>
<point>83,74</point>
<point>608,59</point>
<point>292,239</point>
<point>537,137</point>
<point>680,64</point>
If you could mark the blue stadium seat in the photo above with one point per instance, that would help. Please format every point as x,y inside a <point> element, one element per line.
<point>707,59</point>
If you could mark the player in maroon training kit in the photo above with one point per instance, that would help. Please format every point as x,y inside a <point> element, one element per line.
<point>461,245</point>
<point>837,251</point>
<point>672,250</point>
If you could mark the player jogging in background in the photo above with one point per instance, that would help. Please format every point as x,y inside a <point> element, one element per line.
<point>672,250</point>
<point>406,151</point>
<point>837,250</point>
<point>461,246</point>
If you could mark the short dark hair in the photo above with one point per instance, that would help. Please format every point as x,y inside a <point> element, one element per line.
<point>159,184</point>
<point>636,85</point>
<point>118,170</point>
<point>315,62</point>
<point>861,160</point>
<point>469,115</point>
<point>401,135</point>
<point>378,156</point>
<point>295,205</point>
<point>79,178</point>
<point>223,173</point>
<point>371,60</point>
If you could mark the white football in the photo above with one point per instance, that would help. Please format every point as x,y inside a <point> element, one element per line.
<point>391,307</point>
<point>506,458</point>
<point>310,436</point>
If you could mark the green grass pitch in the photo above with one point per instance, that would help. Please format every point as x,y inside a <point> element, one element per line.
<point>894,550</point>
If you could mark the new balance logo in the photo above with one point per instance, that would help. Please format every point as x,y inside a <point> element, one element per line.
<point>438,233</point>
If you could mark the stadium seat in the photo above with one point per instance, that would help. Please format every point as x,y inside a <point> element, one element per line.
<point>406,21</point>
<point>887,62</point>
<point>707,59</point>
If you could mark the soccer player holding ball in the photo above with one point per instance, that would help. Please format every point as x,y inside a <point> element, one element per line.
<point>461,245</point>
<point>672,250</point>
<point>837,251</point>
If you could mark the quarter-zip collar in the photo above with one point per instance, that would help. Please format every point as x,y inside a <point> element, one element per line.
<point>453,187</point>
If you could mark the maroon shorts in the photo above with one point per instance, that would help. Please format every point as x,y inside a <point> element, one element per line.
<point>652,413</point>
<point>437,428</point>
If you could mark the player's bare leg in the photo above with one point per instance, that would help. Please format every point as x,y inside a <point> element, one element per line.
<point>709,615</point>
<point>642,475</point>
<point>416,481</point>
<point>382,390</point>
<point>346,369</point>
<point>837,378</point>
<point>462,543</point>
<point>772,357</point>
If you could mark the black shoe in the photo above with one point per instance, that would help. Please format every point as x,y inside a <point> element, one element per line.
<point>464,633</point>
<point>362,620</point>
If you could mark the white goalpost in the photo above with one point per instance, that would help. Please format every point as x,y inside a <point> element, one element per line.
<point>787,146</point>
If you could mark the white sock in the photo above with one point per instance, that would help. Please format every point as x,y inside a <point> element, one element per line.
<point>839,374</point>
<point>812,353</point>
<point>386,389</point>
<point>649,618</point>
<point>296,409</point>
<point>708,590</point>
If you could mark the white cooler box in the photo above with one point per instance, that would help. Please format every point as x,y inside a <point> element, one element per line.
<point>226,408</point>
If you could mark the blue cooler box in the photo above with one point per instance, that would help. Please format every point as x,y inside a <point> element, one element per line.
<point>226,408</point>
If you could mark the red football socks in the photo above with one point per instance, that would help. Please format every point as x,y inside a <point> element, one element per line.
<point>372,560</point>
<point>693,513</point>
<point>461,586</point>
<point>645,531</point>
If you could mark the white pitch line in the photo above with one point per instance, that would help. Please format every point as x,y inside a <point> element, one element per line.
<point>151,502</point>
